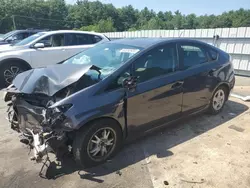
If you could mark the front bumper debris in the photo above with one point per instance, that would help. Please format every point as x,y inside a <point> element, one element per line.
<point>40,146</point>
<point>39,126</point>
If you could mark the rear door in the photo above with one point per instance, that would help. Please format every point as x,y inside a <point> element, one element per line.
<point>53,52</point>
<point>77,42</point>
<point>197,69</point>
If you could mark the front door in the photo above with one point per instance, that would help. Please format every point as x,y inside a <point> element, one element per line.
<point>53,52</point>
<point>158,96</point>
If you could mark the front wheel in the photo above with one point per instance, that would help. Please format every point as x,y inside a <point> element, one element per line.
<point>8,71</point>
<point>98,142</point>
<point>218,100</point>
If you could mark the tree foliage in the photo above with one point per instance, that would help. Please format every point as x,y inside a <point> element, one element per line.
<point>100,17</point>
<point>101,26</point>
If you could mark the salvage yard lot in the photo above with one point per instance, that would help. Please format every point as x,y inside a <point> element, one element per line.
<point>202,151</point>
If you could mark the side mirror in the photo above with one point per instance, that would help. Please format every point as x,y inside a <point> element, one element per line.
<point>130,83</point>
<point>39,45</point>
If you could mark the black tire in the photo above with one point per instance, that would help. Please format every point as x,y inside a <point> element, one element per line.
<point>85,135</point>
<point>9,65</point>
<point>212,109</point>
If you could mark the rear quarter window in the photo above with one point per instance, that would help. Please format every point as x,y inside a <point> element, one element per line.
<point>193,55</point>
<point>95,38</point>
<point>213,54</point>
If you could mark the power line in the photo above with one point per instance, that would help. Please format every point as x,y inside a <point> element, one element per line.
<point>43,19</point>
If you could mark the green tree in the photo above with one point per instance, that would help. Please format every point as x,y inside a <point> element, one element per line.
<point>240,18</point>
<point>153,23</point>
<point>102,26</point>
<point>101,17</point>
<point>178,20</point>
<point>144,16</point>
<point>106,25</point>
<point>127,18</point>
<point>190,21</point>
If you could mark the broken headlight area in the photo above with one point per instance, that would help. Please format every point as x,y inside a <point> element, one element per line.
<point>43,129</point>
<point>32,111</point>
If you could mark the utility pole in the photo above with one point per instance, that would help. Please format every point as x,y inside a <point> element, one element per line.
<point>14,23</point>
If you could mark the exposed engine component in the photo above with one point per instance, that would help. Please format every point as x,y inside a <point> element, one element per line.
<point>40,146</point>
<point>29,106</point>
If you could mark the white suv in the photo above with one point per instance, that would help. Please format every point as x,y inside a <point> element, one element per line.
<point>42,49</point>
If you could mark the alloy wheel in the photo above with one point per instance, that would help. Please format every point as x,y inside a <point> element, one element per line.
<point>219,99</point>
<point>11,73</point>
<point>101,144</point>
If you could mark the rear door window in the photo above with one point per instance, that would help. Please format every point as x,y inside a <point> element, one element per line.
<point>75,39</point>
<point>193,55</point>
<point>70,39</point>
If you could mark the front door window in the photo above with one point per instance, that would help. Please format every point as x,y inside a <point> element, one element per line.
<point>158,62</point>
<point>53,40</point>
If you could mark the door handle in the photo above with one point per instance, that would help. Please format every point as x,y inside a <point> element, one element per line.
<point>177,84</point>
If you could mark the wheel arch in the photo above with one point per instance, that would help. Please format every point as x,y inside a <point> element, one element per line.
<point>91,121</point>
<point>25,63</point>
<point>223,84</point>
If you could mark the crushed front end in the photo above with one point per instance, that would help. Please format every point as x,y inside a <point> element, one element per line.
<point>47,107</point>
<point>40,125</point>
<point>32,109</point>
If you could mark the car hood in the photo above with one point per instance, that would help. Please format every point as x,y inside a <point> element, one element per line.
<point>3,42</point>
<point>49,80</point>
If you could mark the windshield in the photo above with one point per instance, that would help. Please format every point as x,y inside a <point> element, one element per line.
<point>29,39</point>
<point>107,56</point>
<point>7,34</point>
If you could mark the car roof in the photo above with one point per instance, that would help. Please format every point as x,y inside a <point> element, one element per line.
<point>48,33</point>
<point>29,30</point>
<point>72,31</point>
<point>148,42</point>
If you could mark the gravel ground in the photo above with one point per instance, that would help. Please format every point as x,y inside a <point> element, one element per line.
<point>203,151</point>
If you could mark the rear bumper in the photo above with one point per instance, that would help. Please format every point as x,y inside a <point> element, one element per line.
<point>232,84</point>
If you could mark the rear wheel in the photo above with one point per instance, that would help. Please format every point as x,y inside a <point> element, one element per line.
<point>98,142</point>
<point>218,100</point>
<point>9,70</point>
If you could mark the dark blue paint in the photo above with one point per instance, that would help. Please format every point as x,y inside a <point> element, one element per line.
<point>155,102</point>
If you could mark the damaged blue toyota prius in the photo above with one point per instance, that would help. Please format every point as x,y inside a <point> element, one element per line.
<point>92,103</point>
